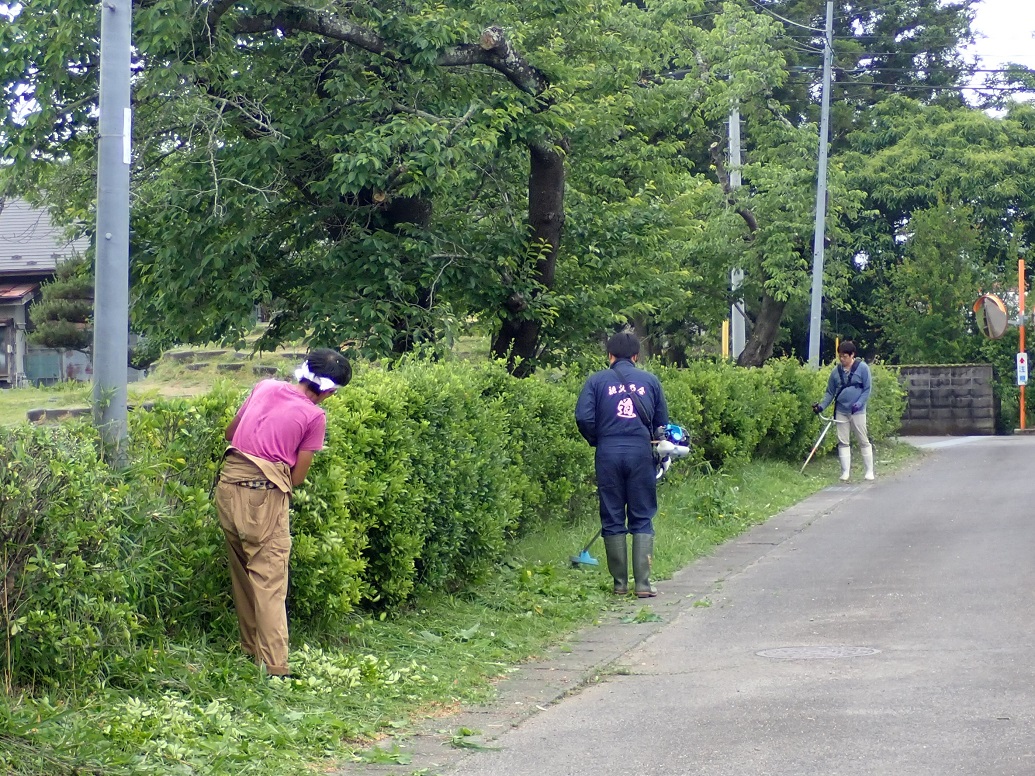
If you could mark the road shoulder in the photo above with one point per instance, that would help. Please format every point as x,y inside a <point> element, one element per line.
<point>591,653</point>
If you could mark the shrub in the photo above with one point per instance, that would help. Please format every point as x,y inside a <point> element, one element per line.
<point>359,520</point>
<point>465,464</point>
<point>65,608</point>
<point>553,462</point>
<point>430,469</point>
<point>175,449</point>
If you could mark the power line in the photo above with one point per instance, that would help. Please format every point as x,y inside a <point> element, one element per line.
<point>785,19</point>
<point>849,70</point>
<point>999,71</point>
<point>922,87</point>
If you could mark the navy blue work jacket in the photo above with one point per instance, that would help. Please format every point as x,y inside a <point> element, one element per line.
<point>606,413</point>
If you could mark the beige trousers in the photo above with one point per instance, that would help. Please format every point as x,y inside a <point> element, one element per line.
<point>258,538</point>
<point>852,424</point>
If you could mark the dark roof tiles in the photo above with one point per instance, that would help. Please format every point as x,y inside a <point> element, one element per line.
<point>29,243</point>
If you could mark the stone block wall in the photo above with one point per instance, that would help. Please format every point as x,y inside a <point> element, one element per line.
<point>955,400</point>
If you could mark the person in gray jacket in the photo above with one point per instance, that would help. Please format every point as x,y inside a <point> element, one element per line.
<point>849,390</point>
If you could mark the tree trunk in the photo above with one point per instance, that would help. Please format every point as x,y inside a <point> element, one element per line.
<point>409,329</point>
<point>518,337</point>
<point>759,346</point>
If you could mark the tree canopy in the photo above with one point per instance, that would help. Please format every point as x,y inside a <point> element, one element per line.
<point>383,176</point>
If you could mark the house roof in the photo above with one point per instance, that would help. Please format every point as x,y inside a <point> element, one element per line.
<point>17,292</point>
<point>29,243</point>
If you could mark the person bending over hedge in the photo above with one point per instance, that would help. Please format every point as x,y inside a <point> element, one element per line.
<point>272,440</point>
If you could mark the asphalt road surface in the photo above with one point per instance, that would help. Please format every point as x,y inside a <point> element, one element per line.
<point>890,632</point>
<point>880,629</point>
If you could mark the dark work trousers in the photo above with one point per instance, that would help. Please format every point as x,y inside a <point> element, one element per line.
<point>626,486</point>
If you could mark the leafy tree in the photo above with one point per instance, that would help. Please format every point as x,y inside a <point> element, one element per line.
<point>765,226</point>
<point>880,49</point>
<point>911,47</point>
<point>292,157</point>
<point>383,176</point>
<point>924,312</point>
<point>915,160</point>
<point>367,173</point>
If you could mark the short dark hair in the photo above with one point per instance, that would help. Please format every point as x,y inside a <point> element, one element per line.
<point>624,344</point>
<point>846,348</point>
<point>324,362</point>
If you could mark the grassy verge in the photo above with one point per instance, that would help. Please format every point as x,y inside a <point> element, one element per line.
<point>200,707</point>
<point>183,372</point>
<point>16,402</point>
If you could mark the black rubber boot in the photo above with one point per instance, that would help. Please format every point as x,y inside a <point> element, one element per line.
<point>643,554</point>
<point>618,562</point>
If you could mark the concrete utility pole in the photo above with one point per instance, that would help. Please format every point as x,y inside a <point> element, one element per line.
<point>815,325</point>
<point>111,283</point>
<point>737,314</point>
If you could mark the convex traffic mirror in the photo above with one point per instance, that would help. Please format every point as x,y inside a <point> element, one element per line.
<point>991,316</point>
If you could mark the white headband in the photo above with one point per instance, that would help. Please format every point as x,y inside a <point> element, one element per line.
<point>323,383</point>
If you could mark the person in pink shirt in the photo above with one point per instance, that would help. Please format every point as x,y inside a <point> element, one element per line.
<point>272,440</point>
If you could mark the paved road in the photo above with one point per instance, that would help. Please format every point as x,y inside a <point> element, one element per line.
<point>882,630</point>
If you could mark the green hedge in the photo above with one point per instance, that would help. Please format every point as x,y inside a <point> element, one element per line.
<point>66,585</point>
<point>430,470</point>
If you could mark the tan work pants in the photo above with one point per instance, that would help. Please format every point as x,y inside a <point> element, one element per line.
<point>852,424</point>
<point>258,537</point>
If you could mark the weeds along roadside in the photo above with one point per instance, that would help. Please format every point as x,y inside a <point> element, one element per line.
<point>199,707</point>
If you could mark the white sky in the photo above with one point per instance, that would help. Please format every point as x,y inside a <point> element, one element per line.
<point>1004,30</point>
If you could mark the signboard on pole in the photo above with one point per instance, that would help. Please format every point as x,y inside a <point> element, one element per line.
<point>1022,369</point>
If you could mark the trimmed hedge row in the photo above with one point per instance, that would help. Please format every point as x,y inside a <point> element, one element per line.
<point>430,470</point>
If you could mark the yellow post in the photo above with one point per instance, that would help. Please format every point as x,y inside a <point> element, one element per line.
<point>726,339</point>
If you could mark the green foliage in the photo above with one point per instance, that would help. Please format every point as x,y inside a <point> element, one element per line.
<point>949,206</point>
<point>359,519</point>
<point>887,402</point>
<point>376,191</point>
<point>426,475</point>
<point>925,310</point>
<point>175,449</point>
<point>787,389</point>
<point>463,459</point>
<point>736,414</point>
<point>65,591</point>
<point>432,470</point>
<point>63,317</point>
<point>545,446</point>
<point>921,45</point>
